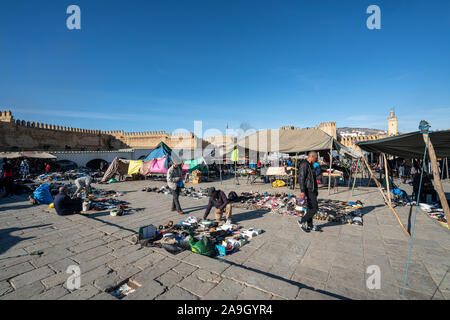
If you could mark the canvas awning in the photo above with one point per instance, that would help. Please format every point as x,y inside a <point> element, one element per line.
<point>287,141</point>
<point>409,145</point>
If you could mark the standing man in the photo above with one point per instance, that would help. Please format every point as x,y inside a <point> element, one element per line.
<point>83,182</point>
<point>8,178</point>
<point>174,180</point>
<point>218,199</point>
<point>308,187</point>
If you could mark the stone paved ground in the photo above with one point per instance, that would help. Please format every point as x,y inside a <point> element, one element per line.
<point>282,263</point>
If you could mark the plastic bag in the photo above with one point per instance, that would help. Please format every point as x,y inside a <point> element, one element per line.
<point>42,194</point>
<point>204,246</point>
<point>278,183</point>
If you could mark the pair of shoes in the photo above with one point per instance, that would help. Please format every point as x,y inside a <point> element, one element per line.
<point>228,222</point>
<point>180,212</point>
<point>303,226</point>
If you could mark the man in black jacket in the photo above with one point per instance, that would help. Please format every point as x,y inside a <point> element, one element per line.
<point>218,199</point>
<point>308,187</point>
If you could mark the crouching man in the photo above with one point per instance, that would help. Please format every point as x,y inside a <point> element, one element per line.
<point>83,183</point>
<point>218,199</point>
<point>64,205</point>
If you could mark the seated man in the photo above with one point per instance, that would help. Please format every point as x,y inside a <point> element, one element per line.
<point>83,182</point>
<point>218,199</point>
<point>64,205</point>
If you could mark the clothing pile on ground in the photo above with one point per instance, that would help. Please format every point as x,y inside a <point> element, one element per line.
<point>101,200</point>
<point>204,237</point>
<point>436,212</point>
<point>290,205</point>
<point>186,192</point>
<point>69,175</point>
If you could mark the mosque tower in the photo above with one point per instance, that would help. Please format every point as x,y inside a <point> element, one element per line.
<point>392,124</point>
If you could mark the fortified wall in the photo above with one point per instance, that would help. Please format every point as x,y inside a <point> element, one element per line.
<point>20,135</point>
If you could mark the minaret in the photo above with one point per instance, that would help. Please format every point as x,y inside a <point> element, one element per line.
<point>392,124</point>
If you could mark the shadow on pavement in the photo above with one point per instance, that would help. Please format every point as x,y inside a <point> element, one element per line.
<point>7,240</point>
<point>292,282</point>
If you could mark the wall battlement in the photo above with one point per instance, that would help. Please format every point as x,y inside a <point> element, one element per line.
<point>30,135</point>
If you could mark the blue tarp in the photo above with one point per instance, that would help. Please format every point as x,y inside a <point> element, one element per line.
<point>161,151</point>
<point>42,194</point>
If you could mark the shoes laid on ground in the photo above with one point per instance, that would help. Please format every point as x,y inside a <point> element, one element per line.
<point>315,228</point>
<point>228,222</point>
<point>303,226</point>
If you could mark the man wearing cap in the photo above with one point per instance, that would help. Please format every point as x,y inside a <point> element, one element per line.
<point>218,199</point>
<point>174,176</point>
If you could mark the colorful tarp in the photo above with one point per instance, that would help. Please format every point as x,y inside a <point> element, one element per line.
<point>158,166</point>
<point>134,166</point>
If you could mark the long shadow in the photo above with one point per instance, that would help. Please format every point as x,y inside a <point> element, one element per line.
<point>248,215</point>
<point>15,207</point>
<point>194,209</point>
<point>368,209</point>
<point>7,240</point>
<point>95,216</point>
<point>409,219</point>
<point>292,282</point>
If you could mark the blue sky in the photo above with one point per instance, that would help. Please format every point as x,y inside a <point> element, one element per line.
<point>160,65</point>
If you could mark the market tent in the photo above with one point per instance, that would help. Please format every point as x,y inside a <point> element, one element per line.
<point>117,165</point>
<point>409,145</point>
<point>161,151</point>
<point>286,141</point>
<point>196,164</point>
<point>27,154</point>
<point>158,160</point>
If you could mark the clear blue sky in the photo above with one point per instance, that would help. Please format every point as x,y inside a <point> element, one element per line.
<point>160,65</point>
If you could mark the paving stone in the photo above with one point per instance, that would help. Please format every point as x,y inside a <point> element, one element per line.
<point>225,290</point>
<point>55,280</point>
<point>103,296</point>
<point>153,272</point>
<point>31,276</point>
<point>9,272</point>
<point>169,279</point>
<point>249,293</point>
<point>107,281</point>
<point>149,290</point>
<point>52,294</point>
<point>25,292</point>
<point>177,293</point>
<point>87,245</point>
<point>90,276</point>
<point>200,282</point>
<point>84,293</point>
<point>207,263</point>
<point>5,287</point>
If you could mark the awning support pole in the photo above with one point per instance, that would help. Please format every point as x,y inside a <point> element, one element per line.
<point>437,181</point>
<point>384,196</point>
<point>386,174</point>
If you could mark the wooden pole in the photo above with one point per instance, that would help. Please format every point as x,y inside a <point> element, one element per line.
<point>437,181</point>
<point>386,173</point>
<point>384,196</point>
<point>331,163</point>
